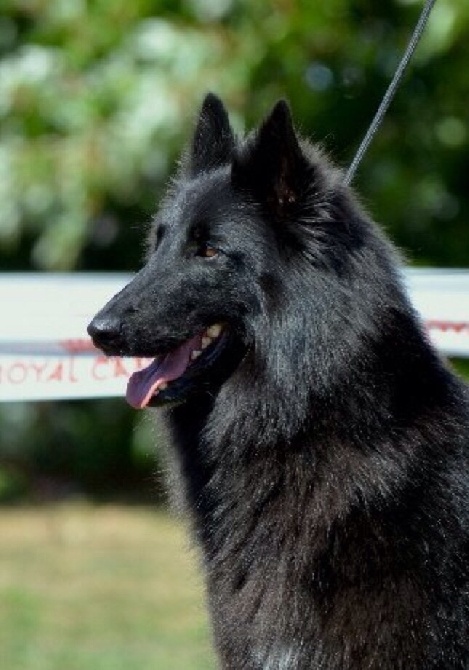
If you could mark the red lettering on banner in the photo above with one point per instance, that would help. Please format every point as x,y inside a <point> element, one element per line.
<point>105,368</point>
<point>141,363</point>
<point>71,370</point>
<point>99,362</point>
<point>56,374</point>
<point>17,373</point>
<point>38,369</point>
<point>459,327</point>
<point>62,371</point>
<point>119,369</point>
<point>56,371</point>
<point>78,346</point>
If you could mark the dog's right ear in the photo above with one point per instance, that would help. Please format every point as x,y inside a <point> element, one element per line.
<point>271,164</point>
<point>213,142</point>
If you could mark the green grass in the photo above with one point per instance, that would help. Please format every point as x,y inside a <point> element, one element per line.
<point>99,588</point>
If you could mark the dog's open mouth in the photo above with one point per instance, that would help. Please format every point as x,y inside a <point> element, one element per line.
<point>153,384</point>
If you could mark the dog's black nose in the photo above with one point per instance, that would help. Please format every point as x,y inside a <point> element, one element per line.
<point>105,330</point>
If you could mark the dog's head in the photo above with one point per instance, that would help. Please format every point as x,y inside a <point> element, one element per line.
<point>221,240</point>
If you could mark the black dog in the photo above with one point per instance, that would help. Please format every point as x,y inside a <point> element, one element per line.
<point>322,443</point>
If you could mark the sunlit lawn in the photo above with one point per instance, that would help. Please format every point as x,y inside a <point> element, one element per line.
<point>99,588</point>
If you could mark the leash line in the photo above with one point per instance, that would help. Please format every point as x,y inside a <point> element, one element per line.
<point>391,90</point>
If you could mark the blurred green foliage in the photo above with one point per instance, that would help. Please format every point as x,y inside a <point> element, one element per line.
<point>97,98</point>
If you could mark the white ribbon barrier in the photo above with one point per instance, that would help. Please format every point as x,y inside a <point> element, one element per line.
<point>45,352</point>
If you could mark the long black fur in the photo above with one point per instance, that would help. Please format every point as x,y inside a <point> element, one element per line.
<point>324,459</point>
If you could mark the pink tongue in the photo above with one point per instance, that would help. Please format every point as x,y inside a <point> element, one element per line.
<point>144,384</point>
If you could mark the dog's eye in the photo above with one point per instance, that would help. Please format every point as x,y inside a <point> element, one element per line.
<point>207,251</point>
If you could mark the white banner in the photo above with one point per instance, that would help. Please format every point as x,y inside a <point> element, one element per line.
<point>45,352</point>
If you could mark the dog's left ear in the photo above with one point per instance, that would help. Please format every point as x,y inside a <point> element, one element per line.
<point>272,165</point>
<point>213,142</point>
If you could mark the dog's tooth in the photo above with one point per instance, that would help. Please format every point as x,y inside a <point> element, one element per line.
<point>215,330</point>
<point>206,340</point>
<point>195,354</point>
<point>163,386</point>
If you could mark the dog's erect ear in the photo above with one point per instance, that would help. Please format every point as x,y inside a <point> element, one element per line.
<point>272,165</point>
<point>213,141</point>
